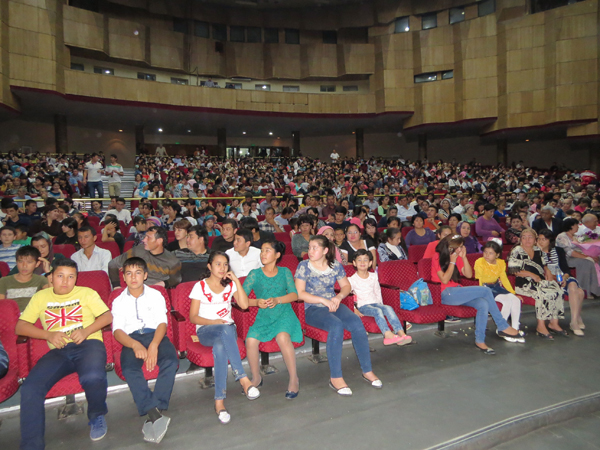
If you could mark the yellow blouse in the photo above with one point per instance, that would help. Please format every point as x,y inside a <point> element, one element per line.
<point>488,273</point>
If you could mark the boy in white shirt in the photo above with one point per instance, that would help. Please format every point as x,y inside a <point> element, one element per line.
<point>140,325</point>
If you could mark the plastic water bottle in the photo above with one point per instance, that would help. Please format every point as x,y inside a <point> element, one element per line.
<point>559,275</point>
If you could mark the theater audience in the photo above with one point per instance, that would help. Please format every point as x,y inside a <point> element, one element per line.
<point>315,280</point>
<point>274,290</point>
<point>354,242</point>
<point>90,256</point>
<point>21,286</point>
<point>486,225</point>
<point>243,257</point>
<point>533,279</point>
<point>392,248</point>
<point>471,243</point>
<point>164,269</point>
<point>210,311</point>
<point>419,235</point>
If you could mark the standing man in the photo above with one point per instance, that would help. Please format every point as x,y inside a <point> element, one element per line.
<point>73,318</point>
<point>161,150</point>
<point>92,176</point>
<point>114,171</point>
<point>334,156</point>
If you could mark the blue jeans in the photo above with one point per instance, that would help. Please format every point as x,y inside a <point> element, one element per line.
<point>335,323</point>
<point>480,298</point>
<point>95,186</point>
<point>167,361</point>
<point>88,360</point>
<point>379,313</point>
<point>223,340</point>
<point>3,361</point>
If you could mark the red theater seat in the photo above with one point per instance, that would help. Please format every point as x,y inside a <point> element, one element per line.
<point>113,247</point>
<point>4,269</point>
<point>9,314</point>
<point>64,249</point>
<point>416,252</point>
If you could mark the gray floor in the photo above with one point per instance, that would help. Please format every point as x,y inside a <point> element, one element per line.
<point>434,390</point>
<point>582,433</point>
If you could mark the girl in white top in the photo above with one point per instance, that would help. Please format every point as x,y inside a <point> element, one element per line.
<point>210,311</point>
<point>369,302</point>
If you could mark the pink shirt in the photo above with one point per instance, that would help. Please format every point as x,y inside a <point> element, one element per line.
<point>367,291</point>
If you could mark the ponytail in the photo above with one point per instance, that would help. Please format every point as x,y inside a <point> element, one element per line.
<point>325,243</point>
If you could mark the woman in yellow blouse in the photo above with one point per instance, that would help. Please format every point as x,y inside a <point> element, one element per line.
<point>491,272</point>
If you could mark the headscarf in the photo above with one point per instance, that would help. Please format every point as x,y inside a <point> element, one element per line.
<point>39,270</point>
<point>338,255</point>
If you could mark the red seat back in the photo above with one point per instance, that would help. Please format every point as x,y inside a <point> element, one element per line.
<point>180,301</point>
<point>134,204</point>
<point>210,240</point>
<point>128,246</point>
<point>4,269</point>
<point>124,228</point>
<point>283,237</point>
<point>424,268</point>
<point>405,231</point>
<point>113,247</point>
<point>170,236</point>
<point>98,281</point>
<point>9,314</point>
<point>94,221</point>
<point>64,249</point>
<point>416,252</point>
<point>400,274</point>
<point>289,261</point>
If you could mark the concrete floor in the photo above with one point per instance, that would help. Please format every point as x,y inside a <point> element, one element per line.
<point>434,390</point>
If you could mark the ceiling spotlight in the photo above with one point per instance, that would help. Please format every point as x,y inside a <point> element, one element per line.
<point>107,71</point>
<point>120,131</point>
<point>189,131</point>
<point>354,132</point>
<point>407,29</point>
<point>526,140</point>
<point>264,86</point>
<point>136,32</point>
<point>243,132</point>
<point>278,137</point>
<point>160,130</point>
<point>270,133</point>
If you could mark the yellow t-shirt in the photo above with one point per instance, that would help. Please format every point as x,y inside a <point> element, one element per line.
<point>488,273</point>
<point>65,313</point>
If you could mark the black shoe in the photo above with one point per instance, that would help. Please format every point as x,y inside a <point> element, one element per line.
<point>548,336</point>
<point>487,351</point>
<point>452,319</point>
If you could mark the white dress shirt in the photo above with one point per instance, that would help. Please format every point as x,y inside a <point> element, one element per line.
<point>403,212</point>
<point>99,260</point>
<point>242,265</point>
<point>123,215</point>
<point>130,314</point>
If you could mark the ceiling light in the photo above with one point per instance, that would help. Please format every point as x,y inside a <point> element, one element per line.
<point>278,137</point>
<point>270,133</point>
<point>526,140</point>
<point>354,132</point>
<point>463,13</point>
<point>264,86</point>
<point>106,71</point>
<point>243,132</point>
<point>407,29</point>
<point>189,131</point>
<point>160,130</point>
<point>136,32</point>
<point>120,131</point>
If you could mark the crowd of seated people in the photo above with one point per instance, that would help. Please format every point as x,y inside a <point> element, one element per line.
<point>330,216</point>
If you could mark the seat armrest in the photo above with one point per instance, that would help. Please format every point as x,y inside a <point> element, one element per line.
<point>177,316</point>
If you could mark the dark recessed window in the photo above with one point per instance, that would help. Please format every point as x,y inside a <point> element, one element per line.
<point>271,36</point>
<point>486,7</point>
<point>104,70</point>
<point>219,32</point>
<point>178,80</point>
<point>201,29</point>
<point>457,14</point>
<point>402,25</point>
<point>77,66</point>
<point>291,88</point>
<point>233,85</point>
<point>426,77</point>
<point>237,34</point>
<point>448,74</point>
<point>146,76</point>
<point>253,34</point>
<point>292,36</point>
<point>329,37</point>
<point>350,88</point>
<point>262,87</point>
<point>429,21</point>
<point>327,88</point>
<point>180,25</point>
<point>90,5</point>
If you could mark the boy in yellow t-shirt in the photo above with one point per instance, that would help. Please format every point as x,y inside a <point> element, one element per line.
<point>72,318</point>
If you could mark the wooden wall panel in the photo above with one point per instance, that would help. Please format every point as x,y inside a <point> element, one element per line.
<point>356,59</point>
<point>283,61</point>
<point>245,60</point>
<point>204,57</point>
<point>318,61</point>
<point>84,29</point>
<point>123,43</point>
<point>166,49</point>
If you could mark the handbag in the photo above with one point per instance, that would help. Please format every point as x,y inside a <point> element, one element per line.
<point>407,301</point>
<point>497,288</point>
<point>421,293</point>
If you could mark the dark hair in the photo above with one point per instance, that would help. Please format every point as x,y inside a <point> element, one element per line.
<point>135,262</point>
<point>13,206</point>
<point>443,248</point>
<point>200,232</point>
<point>245,233</point>
<point>363,252</point>
<point>111,218</point>
<point>65,208</point>
<point>494,246</point>
<point>211,258</point>
<point>286,210</point>
<point>376,237</point>
<point>29,202</point>
<point>65,262</point>
<point>324,243</point>
<point>183,224</point>
<point>71,223</point>
<point>569,223</point>
<point>85,229</point>
<point>278,246</point>
<point>22,227</point>
<point>341,209</point>
<point>394,219</point>
<point>161,233</point>
<point>138,219</point>
<point>357,211</point>
<point>415,217</point>
<point>231,222</point>
<point>438,232</point>
<point>489,207</point>
<point>305,218</point>
<point>9,228</point>
<point>249,223</point>
<point>28,250</point>
<point>120,200</point>
<point>456,216</point>
<point>548,235</point>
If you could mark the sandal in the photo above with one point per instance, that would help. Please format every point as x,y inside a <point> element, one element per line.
<point>563,333</point>
<point>545,336</point>
<point>405,340</point>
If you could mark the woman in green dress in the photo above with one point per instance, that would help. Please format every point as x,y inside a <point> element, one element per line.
<point>274,289</point>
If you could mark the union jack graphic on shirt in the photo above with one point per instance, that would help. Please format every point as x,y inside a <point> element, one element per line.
<point>64,317</point>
